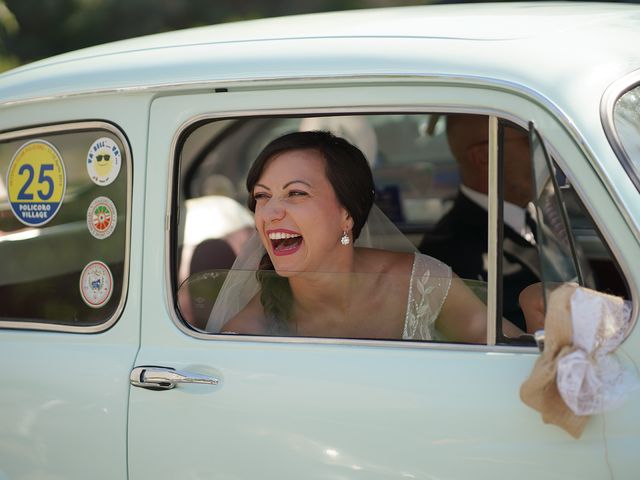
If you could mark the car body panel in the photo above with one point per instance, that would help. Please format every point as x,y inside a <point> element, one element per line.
<point>55,407</point>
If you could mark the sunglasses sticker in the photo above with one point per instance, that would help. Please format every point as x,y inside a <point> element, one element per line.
<point>96,284</point>
<point>36,183</point>
<point>102,218</point>
<point>103,161</point>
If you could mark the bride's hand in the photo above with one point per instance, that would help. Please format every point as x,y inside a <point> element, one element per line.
<point>531,301</point>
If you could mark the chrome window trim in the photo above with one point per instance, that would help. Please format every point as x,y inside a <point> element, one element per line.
<point>544,103</point>
<point>492,234</point>
<point>278,81</point>
<point>364,343</point>
<point>62,128</point>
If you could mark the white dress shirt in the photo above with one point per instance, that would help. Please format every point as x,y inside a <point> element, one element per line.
<point>513,215</point>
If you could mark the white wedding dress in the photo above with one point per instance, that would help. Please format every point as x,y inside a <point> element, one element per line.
<point>428,289</point>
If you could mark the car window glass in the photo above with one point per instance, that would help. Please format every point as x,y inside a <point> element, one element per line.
<point>570,245</point>
<point>556,245</point>
<point>600,269</point>
<point>63,223</point>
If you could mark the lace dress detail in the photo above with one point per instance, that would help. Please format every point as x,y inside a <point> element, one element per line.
<point>428,288</point>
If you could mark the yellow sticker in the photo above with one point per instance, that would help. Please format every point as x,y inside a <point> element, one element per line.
<point>36,183</point>
<point>103,161</point>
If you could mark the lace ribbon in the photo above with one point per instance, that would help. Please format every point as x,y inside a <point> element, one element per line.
<point>578,374</point>
<point>591,379</point>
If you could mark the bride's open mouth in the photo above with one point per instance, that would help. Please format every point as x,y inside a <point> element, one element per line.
<point>284,242</point>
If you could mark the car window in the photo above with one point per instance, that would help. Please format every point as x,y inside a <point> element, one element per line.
<point>559,259</point>
<point>415,176</point>
<point>430,175</point>
<point>64,210</point>
<point>599,267</point>
<point>570,245</point>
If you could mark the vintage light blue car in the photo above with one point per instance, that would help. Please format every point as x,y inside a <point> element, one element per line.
<point>122,207</point>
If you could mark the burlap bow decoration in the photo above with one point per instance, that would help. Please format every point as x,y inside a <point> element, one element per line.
<point>577,374</point>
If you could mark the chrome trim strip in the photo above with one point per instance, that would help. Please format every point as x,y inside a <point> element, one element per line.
<point>492,239</point>
<point>69,128</point>
<point>365,343</point>
<point>254,83</point>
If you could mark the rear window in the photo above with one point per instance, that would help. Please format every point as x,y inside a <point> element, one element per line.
<point>64,215</point>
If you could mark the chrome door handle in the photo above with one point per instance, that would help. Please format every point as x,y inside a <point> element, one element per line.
<point>164,378</point>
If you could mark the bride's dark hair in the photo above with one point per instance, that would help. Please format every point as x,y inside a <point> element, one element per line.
<point>350,176</point>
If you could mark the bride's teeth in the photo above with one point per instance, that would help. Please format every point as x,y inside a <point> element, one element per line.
<point>282,235</point>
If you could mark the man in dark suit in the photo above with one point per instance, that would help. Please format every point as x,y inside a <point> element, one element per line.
<point>460,237</point>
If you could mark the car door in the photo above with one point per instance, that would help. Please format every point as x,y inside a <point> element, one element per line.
<point>257,407</point>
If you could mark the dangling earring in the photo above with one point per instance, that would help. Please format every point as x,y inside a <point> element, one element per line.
<point>344,239</point>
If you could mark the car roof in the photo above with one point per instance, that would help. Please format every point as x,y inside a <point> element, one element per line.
<point>551,47</point>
